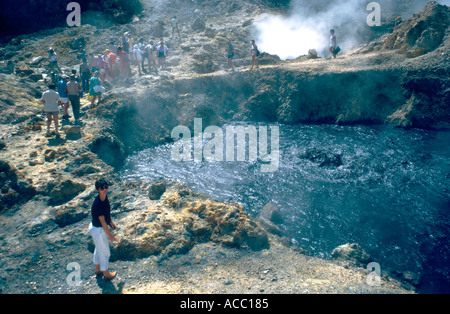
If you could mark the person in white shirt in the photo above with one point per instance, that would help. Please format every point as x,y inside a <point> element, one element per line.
<point>51,101</point>
<point>138,57</point>
<point>333,44</point>
<point>150,48</point>
<point>162,52</point>
<point>53,61</point>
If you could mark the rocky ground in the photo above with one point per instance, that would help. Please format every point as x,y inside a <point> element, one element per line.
<point>171,239</point>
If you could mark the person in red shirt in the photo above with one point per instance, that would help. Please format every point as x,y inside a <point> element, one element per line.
<point>112,60</point>
<point>124,62</point>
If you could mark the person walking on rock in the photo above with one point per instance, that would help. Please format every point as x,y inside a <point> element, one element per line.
<point>230,55</point>
<point>163,51</point>
<point>333,44</point>
<point>52,61</point>
<point>73,90</point>
<point>51,101</point>
<point>99,230</point>
<point>95,81</point>
<point>62,91</point>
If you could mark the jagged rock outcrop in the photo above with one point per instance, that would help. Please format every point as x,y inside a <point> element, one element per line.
<point>353,253</point>
<point>421,33</point>
<point>182,219</point>
<point>13,188</point>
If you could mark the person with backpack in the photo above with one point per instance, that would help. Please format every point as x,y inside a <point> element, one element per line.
<point>94,90</point>
<point>62,91</point>
<point>333,45</point>
<point>255,54</point>
<point>162,51</point>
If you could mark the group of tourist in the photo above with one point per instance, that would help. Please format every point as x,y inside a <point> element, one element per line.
<point>114,64</point>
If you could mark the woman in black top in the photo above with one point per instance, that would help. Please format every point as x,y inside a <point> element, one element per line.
<point>101,219</point>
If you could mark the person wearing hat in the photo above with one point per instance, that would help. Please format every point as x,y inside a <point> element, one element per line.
<point>95,81</point>
<point>52,61</point>
<point>62,91</point>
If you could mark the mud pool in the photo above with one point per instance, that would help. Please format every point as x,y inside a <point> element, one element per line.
<point>385,188</point>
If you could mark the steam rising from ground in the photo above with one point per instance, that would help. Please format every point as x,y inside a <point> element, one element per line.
<point>304,29</point>
<point>309,22</point>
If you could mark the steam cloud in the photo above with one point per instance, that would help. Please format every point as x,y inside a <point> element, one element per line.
<point>309,22</point>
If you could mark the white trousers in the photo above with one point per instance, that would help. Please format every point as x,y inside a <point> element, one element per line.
<point>101,252</point>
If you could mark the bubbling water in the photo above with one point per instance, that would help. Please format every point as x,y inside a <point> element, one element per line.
<point>388,191</point>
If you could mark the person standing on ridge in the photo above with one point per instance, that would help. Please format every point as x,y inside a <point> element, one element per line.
<point>162,51</point>
<point>174,23</point>
<point>333,44</point>
<point>73,90</point>
<point>95,81</point>
<point>85,75</point>
<point>138,57</point>
<point>254,52</point>
<point>398,21</point>
<point>151,55</point>
<point>99,230</point>
<point>230,55</point>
